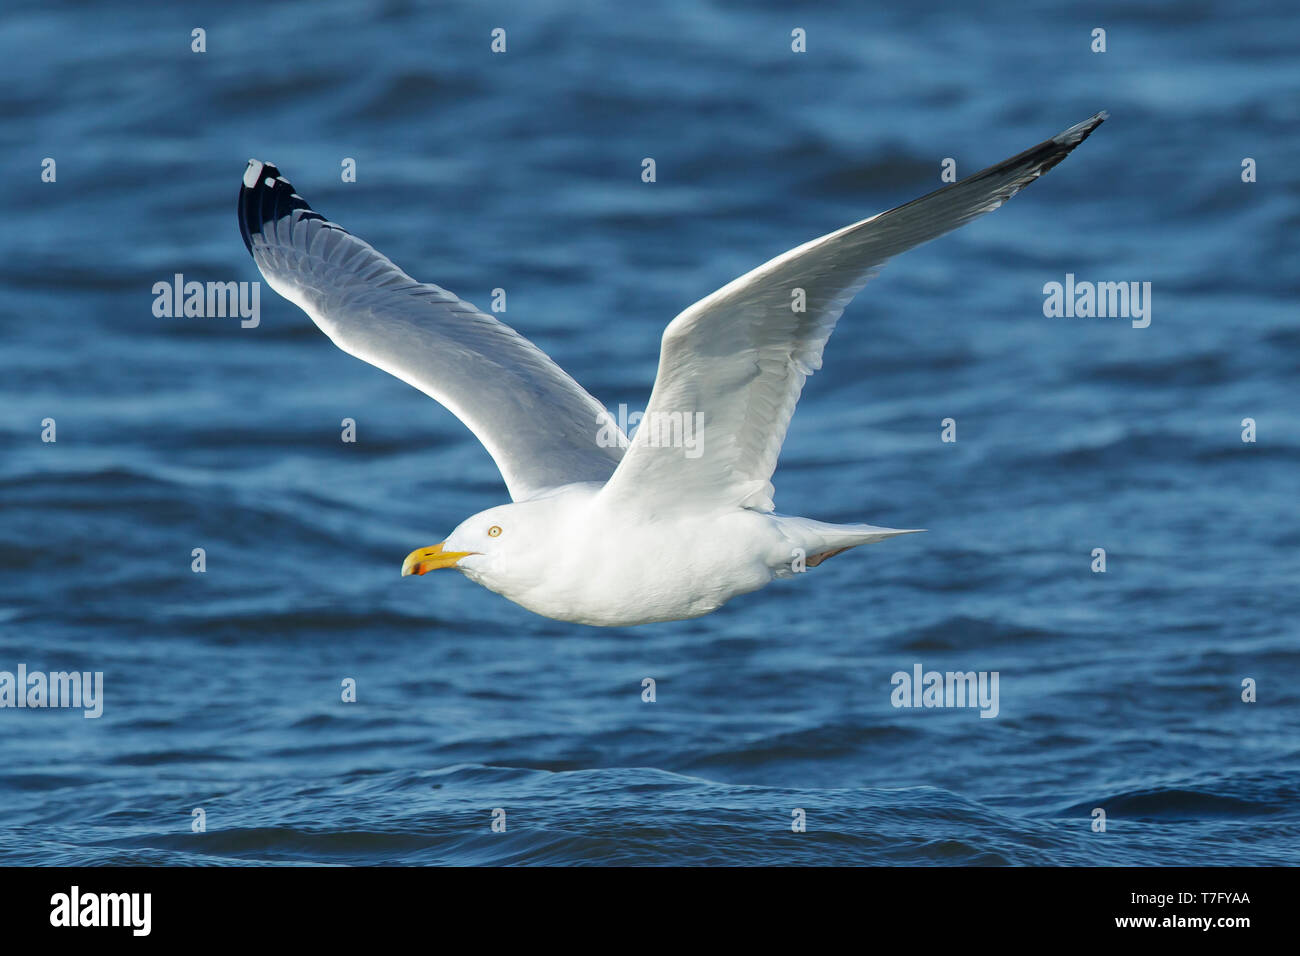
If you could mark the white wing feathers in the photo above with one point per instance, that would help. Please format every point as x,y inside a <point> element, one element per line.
<point>737,360</point>
<point>539,425</point>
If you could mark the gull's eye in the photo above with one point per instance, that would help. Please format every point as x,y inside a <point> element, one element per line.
<point>494,531</point>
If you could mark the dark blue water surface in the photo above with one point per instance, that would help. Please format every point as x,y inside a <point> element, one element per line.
<point>1120,691</point>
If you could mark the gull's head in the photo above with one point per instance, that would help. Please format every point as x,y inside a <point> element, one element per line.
<point>491,543</point>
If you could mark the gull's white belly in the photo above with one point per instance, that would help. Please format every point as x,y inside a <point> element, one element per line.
<point>622,572</point>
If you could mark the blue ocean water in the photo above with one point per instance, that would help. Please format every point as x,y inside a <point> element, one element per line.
<point>222,690</point>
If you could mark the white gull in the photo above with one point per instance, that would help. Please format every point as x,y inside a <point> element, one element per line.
<point>615,532</point>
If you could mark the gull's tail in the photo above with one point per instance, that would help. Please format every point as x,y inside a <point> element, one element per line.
<point>819,540</point>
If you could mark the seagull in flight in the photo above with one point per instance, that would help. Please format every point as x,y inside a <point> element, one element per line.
<point>602,529</point>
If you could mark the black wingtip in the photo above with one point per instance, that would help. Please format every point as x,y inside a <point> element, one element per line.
<point>265,196</point>
<point>1048,153</point>
<point>1077,133</point>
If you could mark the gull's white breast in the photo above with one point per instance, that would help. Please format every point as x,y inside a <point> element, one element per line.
<point>608,565</point>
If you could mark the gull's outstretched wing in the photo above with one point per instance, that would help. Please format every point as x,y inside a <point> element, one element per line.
<point>736,361</point>
<point>541,428</point>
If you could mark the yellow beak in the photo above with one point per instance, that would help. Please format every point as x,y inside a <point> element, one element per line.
<point>431,559</point>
